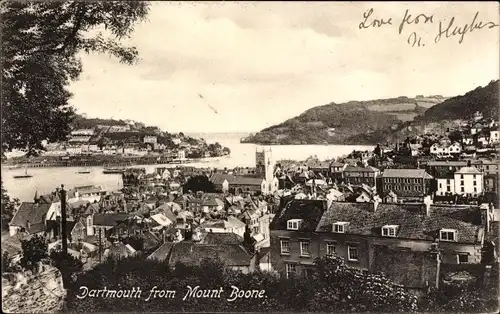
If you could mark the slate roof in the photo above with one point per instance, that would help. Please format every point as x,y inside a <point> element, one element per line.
<point>468,170</point>
<point>222,238</point>
<point>406,173</point>
<point>310,211</point>
<point>190,253</point>
<point>34,213</point>
<point>218,179</point>
<point>231,222</point>
<point>162,252</point>
<point>110,220</point>
<point>413,224</point>
<point>437,163</point>
<point>360,169</point>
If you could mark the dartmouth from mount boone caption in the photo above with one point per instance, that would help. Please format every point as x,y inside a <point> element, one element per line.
<point>156,293</point>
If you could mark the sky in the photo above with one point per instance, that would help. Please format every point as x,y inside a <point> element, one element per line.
<point>256,64</point>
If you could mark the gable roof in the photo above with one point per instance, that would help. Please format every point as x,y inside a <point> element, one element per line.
<point>221,238</point>
<point>109,220</point>
<point>413,224</point>
<point>310,211</point>
<point>406,173</point>
<point>35,213</point>
<point>190,253</point>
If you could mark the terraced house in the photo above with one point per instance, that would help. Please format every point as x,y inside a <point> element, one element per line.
<point>374,236</point>
<point>361,175</point>
<point>407,183</point>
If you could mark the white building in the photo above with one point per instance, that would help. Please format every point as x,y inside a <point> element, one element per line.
<point>468,181</point>
<point>265,166</point>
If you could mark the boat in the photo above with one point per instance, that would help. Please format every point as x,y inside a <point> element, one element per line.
<point>23,176</point>
<point>83,171</point>
<point>113,170</point>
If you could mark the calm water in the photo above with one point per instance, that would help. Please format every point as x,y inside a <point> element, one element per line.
<point>45,180</point>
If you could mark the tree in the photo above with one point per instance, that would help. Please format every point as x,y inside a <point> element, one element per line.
<point>199,183</point>
<point>226,151</point>
<point>34,251</point>
<point>40,44</point>
<point>67,264</point>
<point>8,208</point>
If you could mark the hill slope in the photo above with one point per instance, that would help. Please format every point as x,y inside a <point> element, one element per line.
<point>342,123</point>
<point>483,99</point>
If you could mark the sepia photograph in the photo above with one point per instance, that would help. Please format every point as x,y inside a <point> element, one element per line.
<point>250,156</point>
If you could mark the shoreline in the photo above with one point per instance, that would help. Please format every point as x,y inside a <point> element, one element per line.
<point>105,163</point>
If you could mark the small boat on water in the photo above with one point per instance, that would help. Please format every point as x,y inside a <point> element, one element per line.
<point>23,176</point>
<point>113,170</point>
<point>84,171</point>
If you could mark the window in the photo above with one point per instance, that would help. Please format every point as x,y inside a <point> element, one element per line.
<point>461,176</point>
<point>474,177</point>
<point>448,188</point>
<point>448,181</point>
<point>463,258</point>
<point>448,235</point>
<point>339,227</point>
<point>285,249</point>
<point>290,270</point>
<point>352,253</point>
<point>440,185</point>
<point>474,183</point>
<point>330,249</point>
<point>389,231</point>
<point>462,189</point>
<point>304,249</point>
<point>475,189</point>
<point>294,224</point>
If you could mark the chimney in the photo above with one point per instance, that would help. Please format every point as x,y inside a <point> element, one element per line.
<point>427,205</point>
<point>374,204</point>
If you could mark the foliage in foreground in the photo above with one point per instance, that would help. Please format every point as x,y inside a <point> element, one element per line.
<point>334,287</point>
<point>40,45</point>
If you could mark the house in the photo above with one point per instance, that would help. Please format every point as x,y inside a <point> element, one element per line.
<point>361,175</point>
<point>320,167</point>
<point>29,219</point>
<point>455,148</point>
<point>189,253</point>
<point>119,250</point>
<point>335,195</point>
<point>468,140</point>
<point>439,149</point>
<point>161,221</point>
<point>356,231</point>
<point>220,238</point>
<point>293,237</point>
<point>494,136</point>
<point>337,170</point>
<point>406,183</point>
<point>391,198</point>
<point>227,225</point>
<point>105,222</point>
<point>238,184</point>
<point>469,181</point>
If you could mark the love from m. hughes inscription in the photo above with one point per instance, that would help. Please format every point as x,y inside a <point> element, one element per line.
<point>445,28</point>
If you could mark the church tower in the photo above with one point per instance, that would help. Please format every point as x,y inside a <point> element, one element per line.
<point>265,168</point>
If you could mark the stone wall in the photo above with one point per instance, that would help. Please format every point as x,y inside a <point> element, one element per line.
<point>33,292</point>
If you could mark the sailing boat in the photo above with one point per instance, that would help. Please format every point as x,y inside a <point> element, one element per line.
<point>25,175</point>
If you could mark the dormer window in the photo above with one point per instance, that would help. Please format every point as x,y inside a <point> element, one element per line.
<point>389,230</point>
<point>449,235</point>
<point>339,227</point>
<point>294,224</point>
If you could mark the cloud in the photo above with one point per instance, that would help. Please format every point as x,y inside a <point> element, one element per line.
<point>260,63</point>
